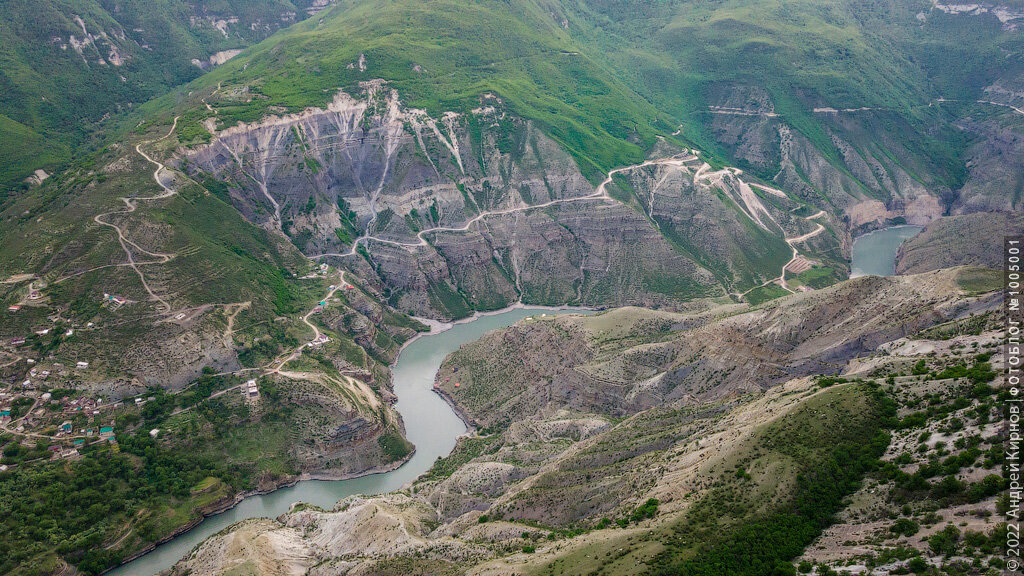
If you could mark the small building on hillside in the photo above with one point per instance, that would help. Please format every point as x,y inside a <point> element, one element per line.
<point>251,391</point>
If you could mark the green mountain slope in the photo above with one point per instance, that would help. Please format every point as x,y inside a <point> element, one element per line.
<point>65,64</point>
<point>841,105</point>
<point>441,56</point>
<point>893,55</point>
<point>166,294</point>
<point>594,69</point>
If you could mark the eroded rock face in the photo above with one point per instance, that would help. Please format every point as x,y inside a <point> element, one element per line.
<point>868,194</point>
<point>508,375</point>
<point>254,546</point>
<point>995,162</point>
<point>358,531</point>
<point>874,178</point>
<point>481,209</point>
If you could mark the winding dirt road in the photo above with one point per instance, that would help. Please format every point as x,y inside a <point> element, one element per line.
<point>130,203</point>
<point>601,193</point>
<point>316,330</point>
<point>781,280</point>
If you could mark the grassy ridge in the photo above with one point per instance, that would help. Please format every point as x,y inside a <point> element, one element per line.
<point>441,55</point>
<point>803,53</point>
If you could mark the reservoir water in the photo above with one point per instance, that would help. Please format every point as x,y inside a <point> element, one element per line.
<point>430,424</point>
<point>875,253</point>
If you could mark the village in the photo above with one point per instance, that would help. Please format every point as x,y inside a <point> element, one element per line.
<point>44,404</point>
<point>40,403</point>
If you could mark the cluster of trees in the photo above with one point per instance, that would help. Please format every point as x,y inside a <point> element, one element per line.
<point>394,446</point>
<point>268,348</point>
<point>978,373</point>
<point>76,508</point>
<point>73,509</point>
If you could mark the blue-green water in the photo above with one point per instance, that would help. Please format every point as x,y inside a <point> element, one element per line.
<point>875,253</point>
<point>430,424</point>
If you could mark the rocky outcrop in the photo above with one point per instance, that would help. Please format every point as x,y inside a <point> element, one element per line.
<point>995,160</point>
<point>864,173</point>
<point>358,531</point>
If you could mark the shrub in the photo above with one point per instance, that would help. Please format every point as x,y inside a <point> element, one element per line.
<point>905,527</point>
<point>946,541</point>
<point>646,510</point>
<point>920,369</point>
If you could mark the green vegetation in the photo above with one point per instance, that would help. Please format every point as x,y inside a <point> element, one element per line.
<point>647,510</point>
<point>140,487</point>
<point>54,93</point>
<point>979,280</point>
<point>395,447</point>
<point>466,450</point>
<point>126,495</point>
<point>828,444</point>
<point>460,50</point>
<point>605,84</point>
<point>763,294</point>
<point>817,277</point>
<point>905,527</point>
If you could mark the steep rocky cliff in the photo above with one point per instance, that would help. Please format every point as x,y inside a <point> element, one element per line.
<point>480,209</point>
